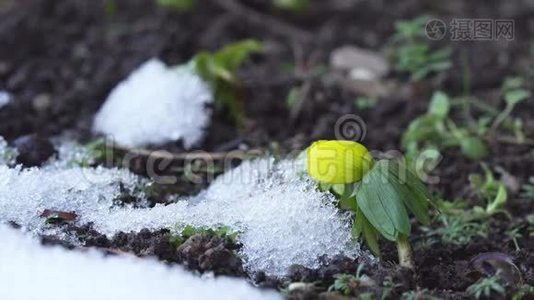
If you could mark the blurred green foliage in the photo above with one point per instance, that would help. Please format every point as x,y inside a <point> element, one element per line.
<point>292,5</point>
<point>411,52</point>
<point>436,130</point>
<point>486,288</point>
<point>220,68</point>
<point>179,5</point>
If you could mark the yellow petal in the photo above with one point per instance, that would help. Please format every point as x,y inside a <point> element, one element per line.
<point>338,161</point>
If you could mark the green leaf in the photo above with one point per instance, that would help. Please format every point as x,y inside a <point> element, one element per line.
<point>180,5</point>
<point>514,97</point>
<point>323,186</point>
<point>421,129</point>
<point>439,105</point>
<point>348,203</point>
<point>499,201</point>
<point>379,201</point>
<point>411,190</point>
<point>219,69</point>
<point>371,238</point>
<point>292,5</point>
<point>473,147</point>
<point>338,188</point>
<point>357,225</point>
<point>363,229</point>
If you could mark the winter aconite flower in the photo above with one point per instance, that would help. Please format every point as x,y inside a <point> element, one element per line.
<point>381,202</point>
<point>338,161</point>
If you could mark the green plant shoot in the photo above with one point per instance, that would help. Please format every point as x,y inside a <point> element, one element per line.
<point>220,68</point>
<point>379,193</point>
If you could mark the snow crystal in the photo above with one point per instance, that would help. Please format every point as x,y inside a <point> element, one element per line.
<point>154,105</point>
<point>5,98</point>
<point>31,271</point>
<point>282,218</point>
<point>25,194</point>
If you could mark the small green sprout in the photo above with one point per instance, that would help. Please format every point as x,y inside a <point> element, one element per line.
<point>346,284</point>
<point>364,103</point>
<point>380,194</point>
<point>530,220</point>
<point>220,68</point>
<point>418,295</point>
<point>525,292</point>
<point>411,52</point>
<point>436,130</point>
<point>457,229</point>
<point>492,191</point>
<point>179,5</point>
<point>292,5</point>
<point>485,287</point>
<point>528,189</point>
<point>514,235</point>
<point>110,7</point>
<point>389,287</point>
<point>513,93</point>
<point>189,231</point>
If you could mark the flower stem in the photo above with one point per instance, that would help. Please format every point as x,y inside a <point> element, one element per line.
<point>404,250</point>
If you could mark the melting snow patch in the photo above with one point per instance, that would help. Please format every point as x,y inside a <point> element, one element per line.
<point>31,271</point>
<point>154,105</point>
<point>281,217</point>
<point>5,98</point>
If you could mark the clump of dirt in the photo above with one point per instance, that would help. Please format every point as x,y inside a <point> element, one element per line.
<point>202,253</point>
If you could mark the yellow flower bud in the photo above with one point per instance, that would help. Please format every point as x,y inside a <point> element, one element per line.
<point>338,161</point>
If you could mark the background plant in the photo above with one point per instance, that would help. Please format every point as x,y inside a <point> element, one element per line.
<point>486,287</point>
<point>437,130</point>
<point>189,231</point>
<point>411,52</point>
<point>346,284</point>
<point>220,68</point>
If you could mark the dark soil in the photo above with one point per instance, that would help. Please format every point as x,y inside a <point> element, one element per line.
<point>60,59</point>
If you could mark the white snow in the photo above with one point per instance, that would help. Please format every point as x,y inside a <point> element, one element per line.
<point>5,98</point>
<point>30,271</point>
<point>154,105</point>
<point>281,217</point>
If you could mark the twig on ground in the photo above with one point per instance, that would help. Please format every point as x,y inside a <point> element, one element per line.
<point>258,18</point>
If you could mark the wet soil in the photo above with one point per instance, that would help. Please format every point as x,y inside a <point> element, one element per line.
<point>60,59</point>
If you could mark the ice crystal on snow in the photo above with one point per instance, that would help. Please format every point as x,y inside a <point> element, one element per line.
<point>24,194</point>
<point>154,105</point>
<point>5,98</point>
<point>31,271</point>
<point>282,218</point>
